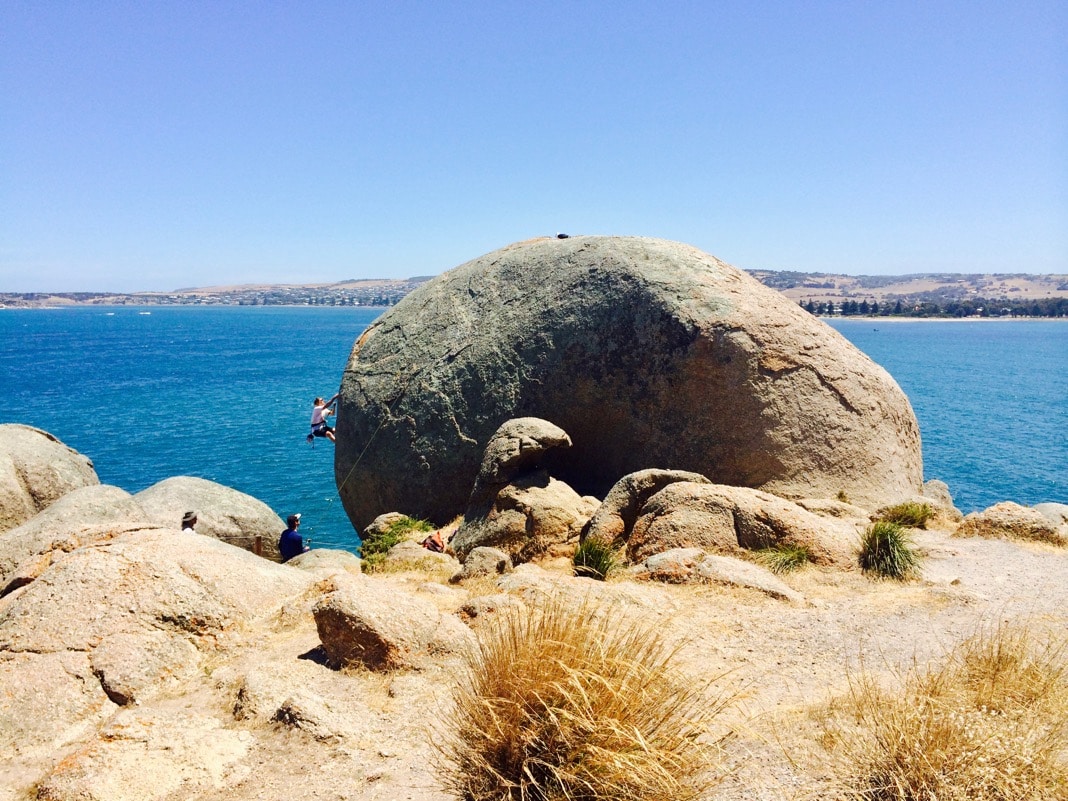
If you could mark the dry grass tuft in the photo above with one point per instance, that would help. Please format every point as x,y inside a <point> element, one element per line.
<point>990,723</point>
<point>569,702</point>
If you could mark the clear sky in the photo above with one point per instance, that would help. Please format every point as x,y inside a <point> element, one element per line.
<point>158,145</point>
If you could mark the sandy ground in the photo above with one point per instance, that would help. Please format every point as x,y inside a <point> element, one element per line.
<point>781,658</point>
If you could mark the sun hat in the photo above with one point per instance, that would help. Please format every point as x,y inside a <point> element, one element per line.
<point>189,517</point>
<point>293,519</point>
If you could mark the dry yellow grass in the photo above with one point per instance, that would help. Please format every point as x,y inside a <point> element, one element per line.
<point>569,702</point>
<point>989,723</point>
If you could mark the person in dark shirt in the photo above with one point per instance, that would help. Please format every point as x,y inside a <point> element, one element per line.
<point>291,544</point>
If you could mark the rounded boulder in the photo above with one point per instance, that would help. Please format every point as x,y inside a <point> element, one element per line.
<point>222,512</point>
<point>646,352</point>
<point>36,470</point>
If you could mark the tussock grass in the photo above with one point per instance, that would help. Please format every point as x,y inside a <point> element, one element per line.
<point>783,558</point>
<point>910,513</point>
<point>373,550</point>
<point>990,722</point>
<point>595,559</point>
<point>887,550</point>
<point>569,702</point>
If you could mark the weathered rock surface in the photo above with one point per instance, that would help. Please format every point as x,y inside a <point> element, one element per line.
<point>410,555</point>
<point>328,559</point>
<point>516,506</point>
<point>484,606</point>
<point>381,524</point>
<point>36,470</point>
<point>692,565</point>
<point>528,518</point>
<point>1012,521</point>
<point>117,624</point>
<point>1056,513</point>
<point>223,513</point>
<point>481,562</point>
<point>362,623</point>
<point>724,519</point>
<point>841,510</point>
<point>646,352</point>
<point>613,521</point>
<point>83,516</point>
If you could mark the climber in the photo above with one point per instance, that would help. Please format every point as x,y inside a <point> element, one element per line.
<point>320,411</point>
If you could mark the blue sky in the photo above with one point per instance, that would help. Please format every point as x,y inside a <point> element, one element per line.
<point>152,145</point>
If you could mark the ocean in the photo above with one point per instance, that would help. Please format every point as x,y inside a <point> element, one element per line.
<point>225,393</point>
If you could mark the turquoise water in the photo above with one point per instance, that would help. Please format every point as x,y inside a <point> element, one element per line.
<point>991,398</point>
<point>225,393</point>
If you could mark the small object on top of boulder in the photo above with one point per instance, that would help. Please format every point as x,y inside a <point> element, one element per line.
<point>36,470</point>
<point>645,351</point>
<point>516,505</point>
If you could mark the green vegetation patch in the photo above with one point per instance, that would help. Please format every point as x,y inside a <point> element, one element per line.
<point>374,548</point>
<point>595,559</point>
<point>887,551</point>
<point>909,513</point>
<point>783,558</point>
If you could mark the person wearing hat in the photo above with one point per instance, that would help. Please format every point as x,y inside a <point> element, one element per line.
<point>189,519</point>
<point>291,544</point>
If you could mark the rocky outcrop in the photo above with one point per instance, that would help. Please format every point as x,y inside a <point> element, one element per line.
<point>83,516</point>
<point>1056,513</point>
<point>646,352</point>
<point>36,470</point>
<point>483,562</point>
<point>1012,521</point>
<point>222,512</point>
<point>118,624</point>
<point>727,519</point>
<point>327,559</point>
<point>516,506</point>
<point>361,623</point>
<point>613,521</point>
<point>694,566</point>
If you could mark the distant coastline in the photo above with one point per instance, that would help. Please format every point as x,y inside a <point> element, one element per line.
<point>921,296</point>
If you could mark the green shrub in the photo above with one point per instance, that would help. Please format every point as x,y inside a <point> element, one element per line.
<point>783,558</point>
<point>887,550</point>
<point>595,559</point>
<point>373,550</point>
<point>909,513</point>
<point>569,701</point>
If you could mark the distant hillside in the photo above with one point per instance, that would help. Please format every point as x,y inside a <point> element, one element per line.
<point>923,295</point>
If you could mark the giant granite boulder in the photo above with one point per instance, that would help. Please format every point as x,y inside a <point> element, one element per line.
<point>646,352</point>
<point>222,512</point>
<point>36,470</point>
